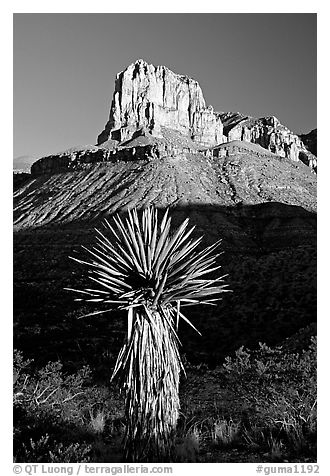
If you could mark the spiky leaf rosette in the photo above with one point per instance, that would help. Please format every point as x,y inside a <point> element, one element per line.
<point>152,272</point>
<point>145,264</point>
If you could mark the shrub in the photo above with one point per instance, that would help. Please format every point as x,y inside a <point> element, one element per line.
<point>279,391</point>
<point>46,450</point>
<point>49,390</point>
<point>55,414</point>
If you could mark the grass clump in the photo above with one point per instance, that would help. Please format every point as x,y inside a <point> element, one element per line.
<point>225,432</point>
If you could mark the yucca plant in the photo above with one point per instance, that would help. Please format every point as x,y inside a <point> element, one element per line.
<point>152,272</point>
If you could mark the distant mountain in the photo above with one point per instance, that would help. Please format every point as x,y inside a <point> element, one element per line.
<point>169,111</point>
<point>23,163</point>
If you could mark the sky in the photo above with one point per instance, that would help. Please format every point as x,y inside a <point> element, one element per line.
<point>65,67</point>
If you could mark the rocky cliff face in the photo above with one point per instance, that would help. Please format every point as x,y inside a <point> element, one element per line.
<point>77,157</point>
<point>149,98</point>
<point>144,146</point>
<point>269,133</point>
<point>156,113</point>
<point>310,141</point>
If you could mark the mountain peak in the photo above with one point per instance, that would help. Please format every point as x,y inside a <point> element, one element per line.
<point>148,97</point>
<point>157,113</point>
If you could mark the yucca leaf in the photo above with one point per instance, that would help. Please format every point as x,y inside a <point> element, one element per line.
<point>103,276</point>
<point>153,239</point>
<point>162,241</point>
<point>109,227</point>
<point>185,251</point>
<point>171,243</point>
<point>98,258</point>
<point>188,322</point>
<point>113,289</point>
<point>177,314</point>
<point>140,243</point>
<point>95,313</point>
<point>133,236</point>
<point>164,220</point>
<point>132,253</point>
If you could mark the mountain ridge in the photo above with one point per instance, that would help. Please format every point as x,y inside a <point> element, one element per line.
<point>154,101</point>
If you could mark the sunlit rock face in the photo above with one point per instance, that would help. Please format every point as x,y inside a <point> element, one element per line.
<point>156,113</point>
<point>148,97</point>
<point>269,133</point>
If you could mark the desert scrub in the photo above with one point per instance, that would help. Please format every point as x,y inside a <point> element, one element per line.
<point>151,271</point>
<point>56,415</point>
<point>49,388</point>
<point>47,450</point>
<point>278,389</point>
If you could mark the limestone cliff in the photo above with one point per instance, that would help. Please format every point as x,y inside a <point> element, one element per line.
<point>148,97</point>
<point>310,141</point>
<point>269,133</point>
<point>156,113</point>
<point>76,157</point>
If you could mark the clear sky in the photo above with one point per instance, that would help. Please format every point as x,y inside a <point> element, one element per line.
<point>65,66</point>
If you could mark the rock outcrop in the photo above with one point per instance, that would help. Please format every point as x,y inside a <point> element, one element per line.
<point>237,147</point>
<point>269,133</point>
<point>151,98</point>
<point>143,146</point>
<point>310,141</point>
<point>77,157</point>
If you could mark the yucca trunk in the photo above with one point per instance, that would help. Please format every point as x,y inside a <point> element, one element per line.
<point>151,382</point>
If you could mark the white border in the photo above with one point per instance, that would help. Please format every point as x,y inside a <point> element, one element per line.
<point>171,6</point>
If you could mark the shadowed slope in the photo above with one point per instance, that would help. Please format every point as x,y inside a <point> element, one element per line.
<point>269,254</point>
